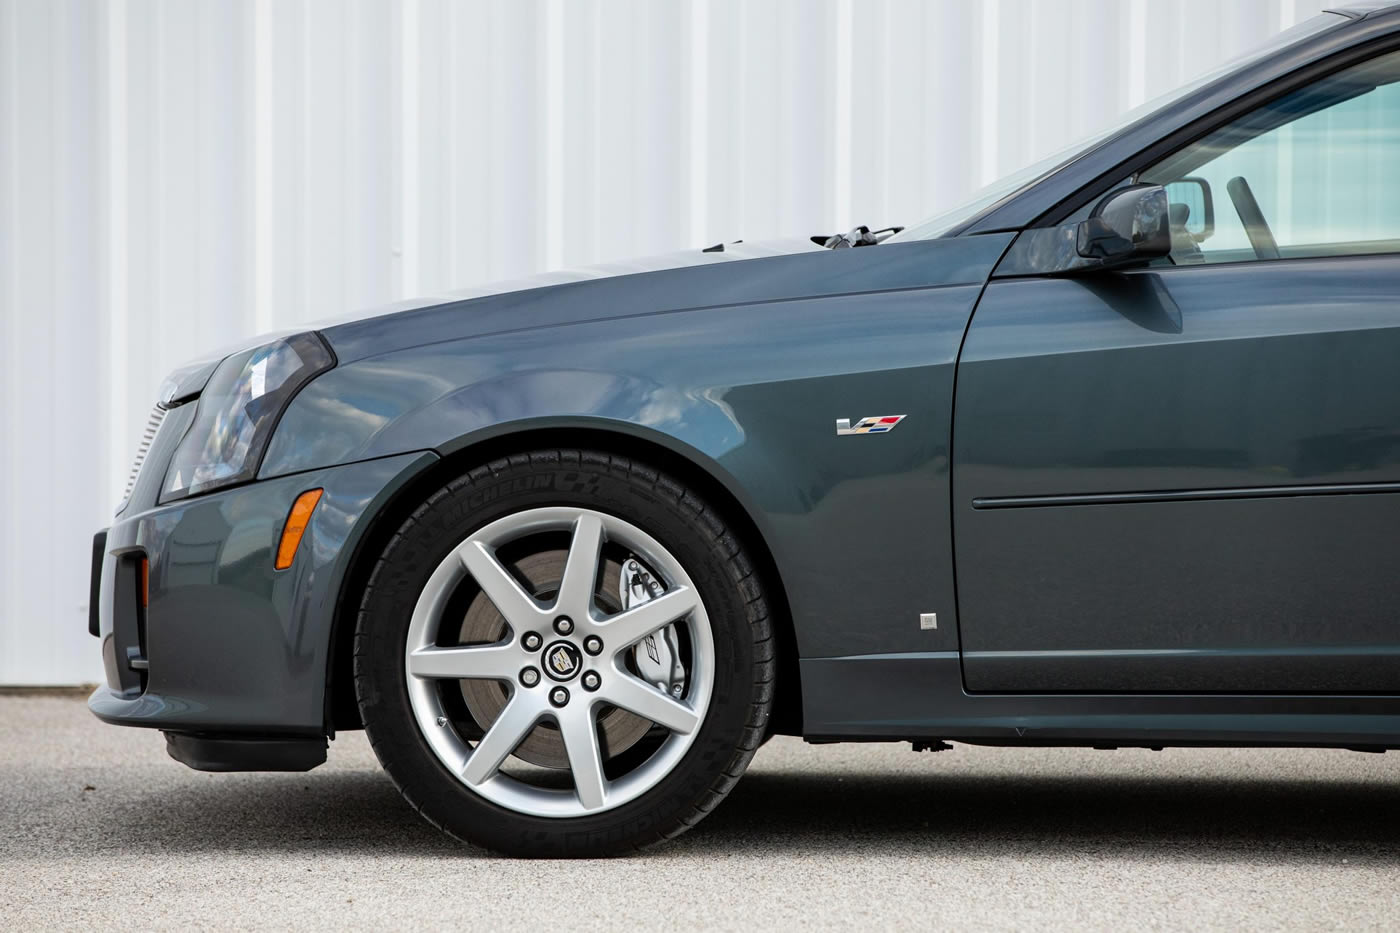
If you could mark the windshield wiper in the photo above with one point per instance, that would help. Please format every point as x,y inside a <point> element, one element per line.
<point>860,236</point>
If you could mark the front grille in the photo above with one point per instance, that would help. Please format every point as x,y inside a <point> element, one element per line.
<point>152,426</point>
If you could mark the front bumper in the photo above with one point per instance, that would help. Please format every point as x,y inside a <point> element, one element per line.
<point>226,644</point>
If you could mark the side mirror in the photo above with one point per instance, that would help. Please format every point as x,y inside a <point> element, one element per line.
<point>1129,226</point>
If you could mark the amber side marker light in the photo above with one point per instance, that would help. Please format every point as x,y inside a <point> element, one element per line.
<point>145,582</point>
<point>297,521</point>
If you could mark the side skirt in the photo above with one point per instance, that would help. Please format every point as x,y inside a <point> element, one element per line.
<point>916,696</point>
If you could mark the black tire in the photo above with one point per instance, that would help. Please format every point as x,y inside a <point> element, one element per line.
<point>735,723</point>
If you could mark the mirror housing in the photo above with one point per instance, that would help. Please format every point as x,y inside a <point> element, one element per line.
<point>1130,226</point>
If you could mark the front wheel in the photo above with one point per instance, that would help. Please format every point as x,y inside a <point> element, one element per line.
<point>564,653</point>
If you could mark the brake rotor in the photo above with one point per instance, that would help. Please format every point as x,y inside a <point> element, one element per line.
<point>618,730</point>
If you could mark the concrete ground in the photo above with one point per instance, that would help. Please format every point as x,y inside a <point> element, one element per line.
<point>100,830</point>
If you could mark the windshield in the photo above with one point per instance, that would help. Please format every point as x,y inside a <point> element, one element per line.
<point>940,224</point>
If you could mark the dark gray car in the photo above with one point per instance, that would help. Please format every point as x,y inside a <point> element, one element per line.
<point>1108,457</point>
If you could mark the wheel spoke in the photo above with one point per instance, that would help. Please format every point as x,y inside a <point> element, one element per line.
<point>564,551</point>
<point>580,734</point>
<point>630,627</point>
<point>581,570</point>
<point>510,600</point>
<point>629,693</point>
<point>496,662</point>
<point>507,732</point>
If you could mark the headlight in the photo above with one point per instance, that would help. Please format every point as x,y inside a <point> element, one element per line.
<point>238,410</point>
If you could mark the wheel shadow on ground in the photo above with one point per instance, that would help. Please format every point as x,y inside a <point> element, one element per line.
<point>999,816</point>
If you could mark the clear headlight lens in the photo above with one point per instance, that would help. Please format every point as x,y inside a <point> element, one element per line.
<point>237,412</point>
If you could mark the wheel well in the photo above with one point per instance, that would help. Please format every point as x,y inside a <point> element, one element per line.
<point>342,710</point>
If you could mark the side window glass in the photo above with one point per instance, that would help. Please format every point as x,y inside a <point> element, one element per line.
<point>1315,173</point>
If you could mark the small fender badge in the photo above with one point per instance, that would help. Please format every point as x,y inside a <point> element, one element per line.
<point>875,425</point>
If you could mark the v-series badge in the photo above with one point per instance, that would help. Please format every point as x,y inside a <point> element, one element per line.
<point>877,424</point>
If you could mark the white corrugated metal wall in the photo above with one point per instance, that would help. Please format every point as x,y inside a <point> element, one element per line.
<point>176,174</point>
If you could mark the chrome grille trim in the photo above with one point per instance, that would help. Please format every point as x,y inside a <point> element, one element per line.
<point>147,436</point>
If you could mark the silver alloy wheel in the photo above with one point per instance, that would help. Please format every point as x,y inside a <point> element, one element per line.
<point>564,626</point>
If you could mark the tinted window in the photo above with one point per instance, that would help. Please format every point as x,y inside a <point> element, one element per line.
<point>1316,173</point>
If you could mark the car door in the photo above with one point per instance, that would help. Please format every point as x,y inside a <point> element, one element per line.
<point>1186,478</point>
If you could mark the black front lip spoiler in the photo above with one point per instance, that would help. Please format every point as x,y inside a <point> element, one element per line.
<point>204,752</point>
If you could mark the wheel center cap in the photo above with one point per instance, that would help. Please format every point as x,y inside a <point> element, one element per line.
<point>562,660</point>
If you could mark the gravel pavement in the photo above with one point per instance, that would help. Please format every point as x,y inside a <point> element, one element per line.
<point>102,831</point>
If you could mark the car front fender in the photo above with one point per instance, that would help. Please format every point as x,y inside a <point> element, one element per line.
<point>858,525</point>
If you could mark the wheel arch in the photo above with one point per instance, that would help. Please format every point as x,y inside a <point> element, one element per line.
<point>689,466</point>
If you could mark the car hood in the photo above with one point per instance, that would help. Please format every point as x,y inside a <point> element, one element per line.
<point>189,379</point>
<point>718,254</point>
<point>739,274</point>
<point>727,274</point>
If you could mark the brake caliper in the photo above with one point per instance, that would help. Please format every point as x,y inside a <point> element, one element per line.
<point>658,656</point>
